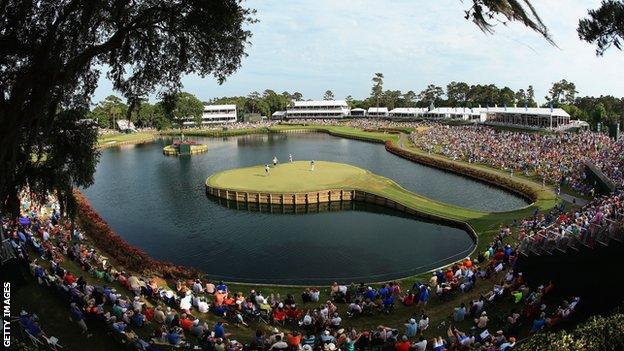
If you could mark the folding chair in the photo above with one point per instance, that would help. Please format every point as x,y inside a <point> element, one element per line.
<point>53,343</point>
<point>264,316</point>
<point>35,341</point>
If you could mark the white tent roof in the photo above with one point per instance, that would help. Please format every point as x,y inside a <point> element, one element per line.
<point>219,107</point>
<point>378,110</point>
<point>311,103</point>
<point>408,110</point>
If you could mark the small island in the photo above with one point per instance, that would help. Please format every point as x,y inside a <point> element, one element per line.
<point>300,183</point>
<point>186,147</point>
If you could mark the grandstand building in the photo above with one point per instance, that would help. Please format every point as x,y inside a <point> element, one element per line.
<point>525,117</point>
<point>215,114</point>
<point>318,109</point>
<point>528,117</point>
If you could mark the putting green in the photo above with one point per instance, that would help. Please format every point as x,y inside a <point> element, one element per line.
<point>297,177</point>
<point>291,177</point>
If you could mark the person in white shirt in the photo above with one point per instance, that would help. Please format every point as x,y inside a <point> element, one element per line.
<point>336,321</point>
<point>185,302</point>
<point>202,307</point>
<point>137,304</point>
<point>420,345</point>
<point>197,287</point>
<point>423,324</point>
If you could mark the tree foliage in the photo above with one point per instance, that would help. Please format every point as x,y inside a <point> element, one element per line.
<point>377,88</point>
<point>329,95</point>
<point>50,58</point>
<point>597,334</point>
<point>487,13</point>
<point>562,93</point>
<point>604,27</point>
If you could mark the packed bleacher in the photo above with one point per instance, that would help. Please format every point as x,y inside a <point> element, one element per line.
<point>598,221</point>
<point>145,313</point>
<point>554,158</point>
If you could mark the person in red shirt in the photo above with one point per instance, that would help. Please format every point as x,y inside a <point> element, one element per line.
<point>294,340</point>
<point>69,278</point>
<point>279,315</point>
<point>403,345</point>
<point>408,300</point>
<point>186,323</point>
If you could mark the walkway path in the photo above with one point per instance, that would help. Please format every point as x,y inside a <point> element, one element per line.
<point>573,199</point>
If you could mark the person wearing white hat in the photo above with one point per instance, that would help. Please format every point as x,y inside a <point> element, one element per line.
<point>482,321</point>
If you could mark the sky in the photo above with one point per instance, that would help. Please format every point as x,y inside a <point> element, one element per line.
<point>311,46</point>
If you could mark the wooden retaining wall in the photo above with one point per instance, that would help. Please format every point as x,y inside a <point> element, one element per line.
<point>262,199</point>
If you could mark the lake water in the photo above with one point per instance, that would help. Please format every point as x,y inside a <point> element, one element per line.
<point>158,203</point>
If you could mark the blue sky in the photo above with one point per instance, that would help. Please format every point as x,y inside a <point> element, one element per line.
<point>311,46</point>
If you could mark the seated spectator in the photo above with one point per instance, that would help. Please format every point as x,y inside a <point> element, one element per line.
<point>403,345</point>
<point>482,321</point>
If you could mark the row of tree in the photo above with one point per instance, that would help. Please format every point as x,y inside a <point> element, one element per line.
<point>184,105</point>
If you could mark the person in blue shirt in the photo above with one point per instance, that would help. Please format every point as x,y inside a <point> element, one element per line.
<point>21,236</point>
<point>138,319</point>
<point>383,292</point>
<point>440,276</point>
<point>34,329</point>
<point>539,323</point>
<point>411,328</point>
<point>370,294</point>
<point>424,295</point>
<point>219,330</point>
<point>174,336</point>
<point>76,316</point>
<point>119,327</point>
<point>388,301</point>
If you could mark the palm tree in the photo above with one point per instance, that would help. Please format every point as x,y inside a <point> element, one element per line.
<point>377,87</point>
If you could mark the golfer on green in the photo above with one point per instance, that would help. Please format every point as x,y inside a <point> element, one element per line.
<point>312,165</point>
<point>266,169</point>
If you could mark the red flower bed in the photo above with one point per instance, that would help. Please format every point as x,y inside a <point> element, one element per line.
<point>126,255</point>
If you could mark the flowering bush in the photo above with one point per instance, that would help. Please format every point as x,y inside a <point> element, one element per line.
<point>126,255</point>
